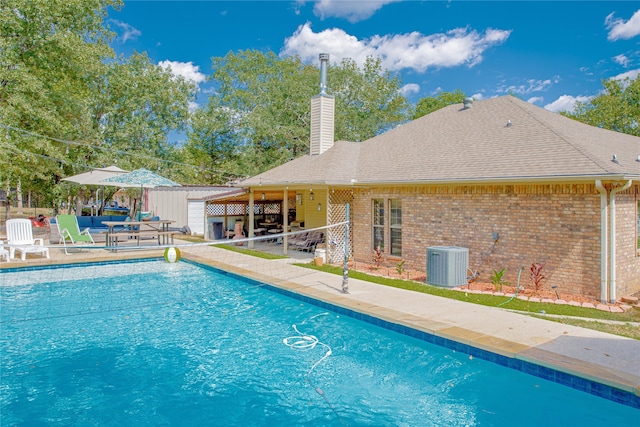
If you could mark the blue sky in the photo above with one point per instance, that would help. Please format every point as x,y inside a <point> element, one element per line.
<point>549,53</point>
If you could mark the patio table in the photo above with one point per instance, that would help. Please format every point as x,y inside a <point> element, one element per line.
<point>159,228</point>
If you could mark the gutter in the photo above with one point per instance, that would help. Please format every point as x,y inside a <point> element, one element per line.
<point>612,254</point>
<point>603,240</point>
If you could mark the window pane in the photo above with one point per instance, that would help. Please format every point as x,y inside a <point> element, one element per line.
<point>378,212</point>
<point>378,223</point>
<point>378,237</point>
<point>395,226</point>
<point>396,242</point>
<point>395,210</point>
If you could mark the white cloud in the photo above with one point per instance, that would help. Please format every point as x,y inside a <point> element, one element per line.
<point>353,11</point>
<point>631,75</point>
<point>185,69</point>
<point>477,96</point>
<point>530,86</point>
<point>193,106</point>
<point>460,46</point>
<point>127,31</point>
<point>535,99</point>
<point>566,103</point>
<point>622,60</point>
<point>409,89</point>
<point>619,29</point>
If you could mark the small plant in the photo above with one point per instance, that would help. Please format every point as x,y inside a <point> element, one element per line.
<point>400,267</point>
<point>378,257</point>
<point>536,275</point>
<point>496,278</point>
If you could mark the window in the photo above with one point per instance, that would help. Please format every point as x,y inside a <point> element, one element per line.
<point>378,224</point>
<point>395,226</point>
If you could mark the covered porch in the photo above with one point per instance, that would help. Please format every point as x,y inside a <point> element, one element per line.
<point>280,211</point>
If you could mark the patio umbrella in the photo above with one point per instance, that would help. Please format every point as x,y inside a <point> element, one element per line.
<point>142,178</point>
<point>95,177</point>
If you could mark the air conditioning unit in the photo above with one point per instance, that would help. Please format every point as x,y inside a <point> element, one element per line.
<point>447,266</point>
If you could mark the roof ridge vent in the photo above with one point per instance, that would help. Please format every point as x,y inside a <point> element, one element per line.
<point>467,102</point>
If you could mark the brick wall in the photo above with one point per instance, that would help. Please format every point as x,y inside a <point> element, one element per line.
<point>558,225</point>
<point>627,255</point>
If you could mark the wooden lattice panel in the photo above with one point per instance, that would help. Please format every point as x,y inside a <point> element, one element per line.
<point>337,213</point>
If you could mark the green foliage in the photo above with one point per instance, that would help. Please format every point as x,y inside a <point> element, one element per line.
<point>259,116</point>
<point>616,108</point>
<point>430,104</point>
<point>257,254</point>
<point>51,51</point>
<point>400,267</point>
<point>60,81</point>
<point>368,100</point>
<point>496,278</point>
<point>136,104</point>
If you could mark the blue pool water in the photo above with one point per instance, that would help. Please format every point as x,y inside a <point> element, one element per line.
<point>154,343</point>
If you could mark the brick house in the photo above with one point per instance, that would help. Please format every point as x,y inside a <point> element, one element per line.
<point>512,182</point>
<point>550,189</point>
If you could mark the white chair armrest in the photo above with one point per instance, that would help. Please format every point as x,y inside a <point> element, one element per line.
<point>39,239</point>
<point>85,231</point>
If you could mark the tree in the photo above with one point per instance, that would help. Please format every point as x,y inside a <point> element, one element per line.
<point>212,144</point>
<point>135,105</point>
<point>368,101</point>
<point>260,115</point>
<point>68,104</point>
<point>430,104</point>
<point>616,108</point>
<point>50,50</point>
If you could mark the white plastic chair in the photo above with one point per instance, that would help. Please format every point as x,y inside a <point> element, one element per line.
<point>20,238</point>
<point>3,252</point>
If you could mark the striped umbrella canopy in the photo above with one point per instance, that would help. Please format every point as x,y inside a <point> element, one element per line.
<point>142,178</point>
<point>139,178</point>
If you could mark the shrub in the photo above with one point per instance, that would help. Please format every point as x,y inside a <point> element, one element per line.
<point>378,257</point>
<point>536,275</point>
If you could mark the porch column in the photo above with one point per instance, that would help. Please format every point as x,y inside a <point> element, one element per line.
<point>251,220</point>
<point>285,220</point>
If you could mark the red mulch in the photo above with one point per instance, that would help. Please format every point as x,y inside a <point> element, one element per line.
<point>418,276</point>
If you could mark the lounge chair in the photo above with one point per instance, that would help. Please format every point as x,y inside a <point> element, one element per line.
<point>70,231</point>
<point>20,238</point>
<point>310,242</point>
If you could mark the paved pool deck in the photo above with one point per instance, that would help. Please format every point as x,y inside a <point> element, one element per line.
<point>584,353</point>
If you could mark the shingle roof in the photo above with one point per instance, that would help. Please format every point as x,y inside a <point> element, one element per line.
<point>495,140</point>
<point>336,165</point>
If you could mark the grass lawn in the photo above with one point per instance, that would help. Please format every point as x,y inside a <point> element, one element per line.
<point>624,324</point>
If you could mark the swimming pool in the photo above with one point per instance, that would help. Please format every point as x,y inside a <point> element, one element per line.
<point>153,343</point>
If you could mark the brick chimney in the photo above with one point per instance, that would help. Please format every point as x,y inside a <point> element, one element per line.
<point>322,111</point>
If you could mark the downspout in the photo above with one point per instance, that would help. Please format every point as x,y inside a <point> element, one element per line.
<point>612,230</point>
<point>603,240</point>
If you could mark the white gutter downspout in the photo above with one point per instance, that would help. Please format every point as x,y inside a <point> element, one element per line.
<point>612,253</point>
<point>603,240</point>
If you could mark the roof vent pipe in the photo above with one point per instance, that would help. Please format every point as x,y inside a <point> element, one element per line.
<point>467,102</point>
<point>324,58</point>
